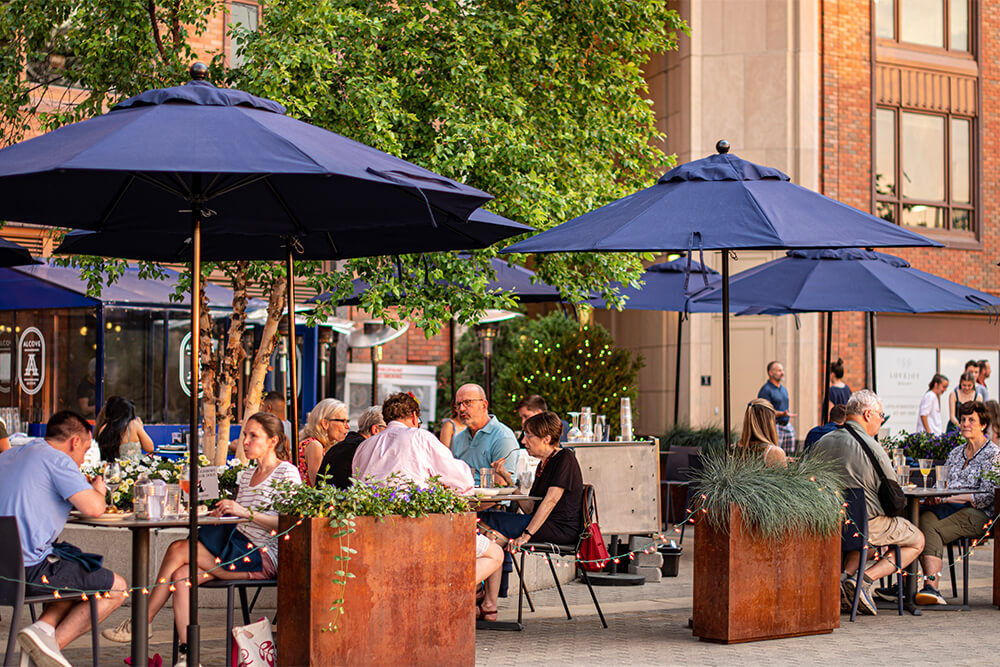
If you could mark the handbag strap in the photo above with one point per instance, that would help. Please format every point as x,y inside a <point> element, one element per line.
<point>868,452</point>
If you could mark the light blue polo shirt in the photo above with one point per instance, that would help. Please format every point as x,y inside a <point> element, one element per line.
<point>491,443</point>
<point>36,482</point>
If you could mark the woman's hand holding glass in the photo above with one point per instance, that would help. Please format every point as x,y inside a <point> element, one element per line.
<point>501,476</point>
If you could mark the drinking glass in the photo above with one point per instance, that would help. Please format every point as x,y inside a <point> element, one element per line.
<point>184,479</point>
<point>941,477</point>
<point>898,457</point>
<point>904,475</point>
<point>574,434</point>
<point>112,479</point>
<point>586,425</point>
<point>925,468</point>
<point>600,431</point>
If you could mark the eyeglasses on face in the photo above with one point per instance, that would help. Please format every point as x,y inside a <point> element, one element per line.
<point>342,421</point>
<point>468,402</point>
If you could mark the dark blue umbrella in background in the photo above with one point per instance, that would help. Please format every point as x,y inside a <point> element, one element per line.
<point>721,203</point>
<point>844,280</point>
<point>13,254</point>
<point>196,156</point>
<point>668,286</point>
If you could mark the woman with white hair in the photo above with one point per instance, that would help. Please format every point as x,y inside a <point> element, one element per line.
<point>326,425</point>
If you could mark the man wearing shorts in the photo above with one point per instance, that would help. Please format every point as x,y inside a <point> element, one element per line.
<point>41,482</point>
<point>864,419</point>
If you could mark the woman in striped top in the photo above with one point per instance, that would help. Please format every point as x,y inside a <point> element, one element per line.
<point>246,551</point>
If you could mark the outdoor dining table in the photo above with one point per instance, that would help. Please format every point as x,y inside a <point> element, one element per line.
<point>913,498</point>
<point>140,566</point>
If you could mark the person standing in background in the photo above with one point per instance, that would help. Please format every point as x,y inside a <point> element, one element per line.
<point>966,392</point>
<point>984,374</point>
<point>929,413</point>
<point>972,367</point>
<point>839,392</point>
<point>778,396</point>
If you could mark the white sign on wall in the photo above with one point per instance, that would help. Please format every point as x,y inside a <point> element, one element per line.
<point>903,375</point>
<point>419,379</point>
<point>31,361</point>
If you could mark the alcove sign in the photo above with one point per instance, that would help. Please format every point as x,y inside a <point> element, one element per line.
<point>31,361</point>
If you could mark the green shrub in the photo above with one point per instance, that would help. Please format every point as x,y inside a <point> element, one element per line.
<point>568,365</point>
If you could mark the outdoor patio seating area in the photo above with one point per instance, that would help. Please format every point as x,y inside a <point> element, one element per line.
<point>649,625</point>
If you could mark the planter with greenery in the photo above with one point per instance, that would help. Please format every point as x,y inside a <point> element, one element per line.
<point>767,553</point>
<point>378,574</point>
<point>924,445</point>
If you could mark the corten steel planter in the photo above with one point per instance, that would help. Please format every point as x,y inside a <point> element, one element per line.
<point>748,588</point>
<point>412,600</point>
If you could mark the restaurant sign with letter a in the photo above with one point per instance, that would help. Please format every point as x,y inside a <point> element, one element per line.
<point>31,360</point>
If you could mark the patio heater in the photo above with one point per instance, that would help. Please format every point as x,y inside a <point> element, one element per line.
<point>374,334</point>
<point>487,329</point>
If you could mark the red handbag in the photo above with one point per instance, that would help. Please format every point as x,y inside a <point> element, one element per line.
<point>594,554</point>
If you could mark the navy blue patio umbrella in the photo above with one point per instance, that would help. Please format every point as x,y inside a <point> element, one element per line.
<point>844,280</point>
<point>197,157</point>
<point>721,203</point>
<point>14,254</point>
<point>669,286</point>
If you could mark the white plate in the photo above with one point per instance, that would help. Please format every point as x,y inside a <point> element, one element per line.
<point>107,516</point>
<point>486,492</point>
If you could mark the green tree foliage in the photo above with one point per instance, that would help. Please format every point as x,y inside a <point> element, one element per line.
<point>568,365</point>
<point>540,103</point>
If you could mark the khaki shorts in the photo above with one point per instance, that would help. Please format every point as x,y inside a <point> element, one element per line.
<point>886,530</point>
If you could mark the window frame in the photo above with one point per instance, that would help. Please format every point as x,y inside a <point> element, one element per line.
<point>229,21</point>
<point>972,13</point>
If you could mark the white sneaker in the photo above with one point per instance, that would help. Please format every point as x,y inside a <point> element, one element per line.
<point>122,633</point>
<point>42,647</point>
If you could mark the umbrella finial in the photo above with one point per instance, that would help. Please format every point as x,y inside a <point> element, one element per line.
<point>722,146</point>
<point>198,71</point>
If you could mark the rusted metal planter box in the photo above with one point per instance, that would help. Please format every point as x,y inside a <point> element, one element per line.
<point>412,600</point>
<point>747,588</point>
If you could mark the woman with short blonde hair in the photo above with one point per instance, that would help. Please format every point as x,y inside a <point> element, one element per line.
<point>326,425</point>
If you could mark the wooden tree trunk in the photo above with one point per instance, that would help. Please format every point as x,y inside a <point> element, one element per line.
<point>231,359</point>
<point>261,360</point>
<point>208,376</point>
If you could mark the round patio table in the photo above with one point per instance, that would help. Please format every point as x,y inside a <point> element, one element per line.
<point>140,566</point>
<point>913,498</point>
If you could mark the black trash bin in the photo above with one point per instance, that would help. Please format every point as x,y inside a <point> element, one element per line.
<point>671,553</point>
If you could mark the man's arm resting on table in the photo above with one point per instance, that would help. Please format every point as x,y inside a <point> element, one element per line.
<point>90,502</point>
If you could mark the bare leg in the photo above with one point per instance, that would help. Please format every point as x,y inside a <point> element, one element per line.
<point>886,567</point>
<point>492,591</point>
<point>176,556</point>
<point>77,620</point>
<point>206,571</point>
<point>931,565</point>
<point>489,562</point>
<point>852,561</point>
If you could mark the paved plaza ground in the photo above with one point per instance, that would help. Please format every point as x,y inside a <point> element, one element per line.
<point>648,627</point>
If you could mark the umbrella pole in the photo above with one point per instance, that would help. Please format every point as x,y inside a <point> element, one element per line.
<point>677,374</point>
<point>871,343</point>
<point>827,361</point>
<point>193,631</point>
<point>726,415</point>
<point>292,374</point>
<point>376,354</point>
<point>451,356</point>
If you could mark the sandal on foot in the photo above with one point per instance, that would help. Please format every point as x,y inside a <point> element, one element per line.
<point>484,615</point>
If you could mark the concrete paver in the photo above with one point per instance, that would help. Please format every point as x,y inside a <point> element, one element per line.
<point>648,627</point>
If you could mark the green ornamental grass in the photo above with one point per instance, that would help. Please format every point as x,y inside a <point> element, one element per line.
<point>804,499</point>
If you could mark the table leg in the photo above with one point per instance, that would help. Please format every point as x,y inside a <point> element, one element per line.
<point>140,602</point>
<point>910,580</point>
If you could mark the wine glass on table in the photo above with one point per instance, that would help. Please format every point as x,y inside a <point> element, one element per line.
<point>112,479</point>
<point>925,468</point>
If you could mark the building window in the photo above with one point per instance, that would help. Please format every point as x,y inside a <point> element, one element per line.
<point>246,16</point>
<point>942,24</point>
<point>923,169</point>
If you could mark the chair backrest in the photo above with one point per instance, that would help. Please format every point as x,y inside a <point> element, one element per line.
<point>677,462</point>
<point>11,562</point>
<point>853,535</point>
<point>589,509</point>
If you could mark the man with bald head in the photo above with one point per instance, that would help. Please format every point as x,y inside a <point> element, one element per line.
<point>485,440</point>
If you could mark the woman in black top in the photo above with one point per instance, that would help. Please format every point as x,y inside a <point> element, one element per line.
<point>557,517</point>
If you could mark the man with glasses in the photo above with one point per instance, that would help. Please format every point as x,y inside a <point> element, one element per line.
<point>844,447</point>
<point>485,441</point>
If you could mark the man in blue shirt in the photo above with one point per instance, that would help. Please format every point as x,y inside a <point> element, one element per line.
<point>838,414</point>
<point>41,481</point>
<point>486,440</point>
<point>778,396</point>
